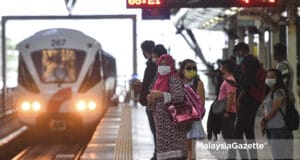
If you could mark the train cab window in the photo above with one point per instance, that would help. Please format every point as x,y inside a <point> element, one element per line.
<point>93,75</point>
<point>25,78</point>
<point>108,66</point>
<point>58,65</point>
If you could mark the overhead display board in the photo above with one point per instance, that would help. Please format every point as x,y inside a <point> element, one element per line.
<point>199,3</point>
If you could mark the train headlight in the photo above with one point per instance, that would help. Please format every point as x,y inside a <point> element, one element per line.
<point>25,106</point>
<point>92,105</point>
<point>36,106</point>
<point>81,105</point>
<point>31,106</point>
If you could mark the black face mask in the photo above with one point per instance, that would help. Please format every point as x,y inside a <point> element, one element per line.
<point>276,56</point>
<point>222,72</point>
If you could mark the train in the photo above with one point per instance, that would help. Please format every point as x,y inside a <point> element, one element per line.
<point>65,80</point>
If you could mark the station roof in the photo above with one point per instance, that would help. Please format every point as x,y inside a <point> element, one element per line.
<point>217,18</point>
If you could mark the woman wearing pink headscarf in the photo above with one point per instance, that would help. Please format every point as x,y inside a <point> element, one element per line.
<point>170,138</point>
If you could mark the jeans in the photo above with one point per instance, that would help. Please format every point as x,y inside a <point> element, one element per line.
<point>281,143</point>
<point>152,127</point>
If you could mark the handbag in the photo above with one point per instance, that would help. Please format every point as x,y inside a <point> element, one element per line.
<point>191,109</point>
<point>219,107</point>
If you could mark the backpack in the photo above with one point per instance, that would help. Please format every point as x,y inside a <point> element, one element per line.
<point>257,90</point>
<point>291,116</point>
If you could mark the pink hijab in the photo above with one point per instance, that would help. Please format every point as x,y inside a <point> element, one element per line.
<point>162,82</point>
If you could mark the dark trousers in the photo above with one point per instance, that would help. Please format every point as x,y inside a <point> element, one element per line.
<point>152,127</point>
<point>245,126</point>
<point>228,126</point>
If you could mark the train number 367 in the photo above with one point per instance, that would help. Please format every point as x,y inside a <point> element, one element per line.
<point>58,42</point>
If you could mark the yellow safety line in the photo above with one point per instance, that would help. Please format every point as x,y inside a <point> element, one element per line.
<point>123,149</point>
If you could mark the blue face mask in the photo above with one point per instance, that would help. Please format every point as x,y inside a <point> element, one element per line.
<point>239,60</point>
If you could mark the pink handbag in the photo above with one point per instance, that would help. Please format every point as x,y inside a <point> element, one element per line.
<point>191,109</point>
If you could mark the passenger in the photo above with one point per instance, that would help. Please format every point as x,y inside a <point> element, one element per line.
<point>158,51</point>
<point>236,72</point>
<point>247,106</point>
<point>215,76</point>
<point>280,137</point>
<point>214,121</point>
<point>171,139</point>
<point>188,74</point>
<point>283,65</point>
<point>228,91</point>
<point>149,74</point>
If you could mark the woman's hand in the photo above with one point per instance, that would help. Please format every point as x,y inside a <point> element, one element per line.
<point>263,124</point>
<point>153,95</point>
<point>157,94</point>
<point>226,115</point>
<point>150,99</point>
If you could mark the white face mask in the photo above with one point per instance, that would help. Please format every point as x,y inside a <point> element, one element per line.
<point>239,60</point>
<point>270,82</point>
<point>163,70</point>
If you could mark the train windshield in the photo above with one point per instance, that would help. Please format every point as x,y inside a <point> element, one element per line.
<point>58,65</point>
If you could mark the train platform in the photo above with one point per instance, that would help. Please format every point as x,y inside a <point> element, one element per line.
<point>124,134</point>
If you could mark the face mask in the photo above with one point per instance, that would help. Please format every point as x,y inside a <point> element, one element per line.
<point>270,82</point>
<point>163,70</point>
<point>154,60</point>
<point>221,71</point>
<point>189,74</point>
<point>239,60</point>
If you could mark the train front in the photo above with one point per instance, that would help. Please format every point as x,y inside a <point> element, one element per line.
<point>59,79</point>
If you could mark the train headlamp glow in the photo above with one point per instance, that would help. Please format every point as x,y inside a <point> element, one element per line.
<point>92,105</point>
<point>36,106</point>
<point>80,106</point>
<point>27,106</point>
<point>86,105</point>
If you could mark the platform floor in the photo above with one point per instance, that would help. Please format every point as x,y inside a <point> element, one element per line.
<point>124,134</point>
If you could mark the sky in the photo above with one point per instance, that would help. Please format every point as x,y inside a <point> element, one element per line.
<point>115,36</point>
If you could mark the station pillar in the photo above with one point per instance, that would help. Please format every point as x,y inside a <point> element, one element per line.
<point>241,34</point>
<point>262,47</point>
<point>232,34</point>
<point>274,40</point>
<point>251,41</point>
<point>292,44</point>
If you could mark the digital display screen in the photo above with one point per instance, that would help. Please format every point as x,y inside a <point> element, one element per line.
<point>144,3</point>
<point>199,3</point>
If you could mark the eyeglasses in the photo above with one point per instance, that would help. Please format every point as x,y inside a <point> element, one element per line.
<point>191,68</point>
